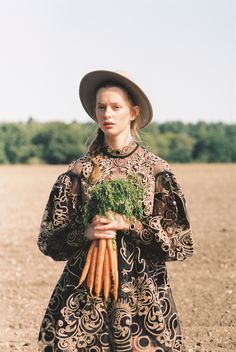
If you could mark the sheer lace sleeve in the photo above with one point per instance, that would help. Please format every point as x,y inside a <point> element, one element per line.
<point>62,230</point>
<point>166,235</point>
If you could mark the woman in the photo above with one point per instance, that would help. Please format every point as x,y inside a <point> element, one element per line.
<point>144,318</point>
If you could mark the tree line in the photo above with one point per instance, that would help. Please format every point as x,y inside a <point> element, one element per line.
<point>57,142</point>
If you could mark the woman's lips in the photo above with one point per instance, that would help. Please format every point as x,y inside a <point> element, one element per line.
<point>108,124</point>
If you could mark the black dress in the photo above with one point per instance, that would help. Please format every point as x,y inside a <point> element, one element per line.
<point>144,318</point>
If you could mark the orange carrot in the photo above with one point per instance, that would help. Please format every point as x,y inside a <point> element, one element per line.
<point>106,276</point>
<point>92,269</point>
<point>87,263</point>
<point>99,269</point>
<point>116,276</point>
<point>111,256</point>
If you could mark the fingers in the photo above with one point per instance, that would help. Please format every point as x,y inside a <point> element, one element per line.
<point>102,223</point>
<point>94,232</point>
<point>112,225</point>
<point>104,235</point>
<point>100,220</point>
<point>106,227</point>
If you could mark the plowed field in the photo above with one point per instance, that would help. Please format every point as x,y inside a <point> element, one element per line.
<point>204,286</point>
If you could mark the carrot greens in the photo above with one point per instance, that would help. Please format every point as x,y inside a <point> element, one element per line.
<point>117,196</point>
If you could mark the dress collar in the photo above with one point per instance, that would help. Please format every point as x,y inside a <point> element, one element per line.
<point>120,153</point>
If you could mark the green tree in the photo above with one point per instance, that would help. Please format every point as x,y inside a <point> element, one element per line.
<point>60,143</point>
<point>180,147</point>
<point>17,146</point>
<point>212,143</point>
<point>3,157</point>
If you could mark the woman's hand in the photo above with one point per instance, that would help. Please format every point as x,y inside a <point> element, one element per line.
<point>104,228</point>
<point>98,229</point>
<point>120,222</point>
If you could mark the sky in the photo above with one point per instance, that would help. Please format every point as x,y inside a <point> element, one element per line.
<point>182,53</point>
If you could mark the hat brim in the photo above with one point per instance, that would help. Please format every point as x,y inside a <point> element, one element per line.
<point>92,80</point>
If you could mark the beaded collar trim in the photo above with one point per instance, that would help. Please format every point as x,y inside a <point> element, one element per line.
<point>121,153</point>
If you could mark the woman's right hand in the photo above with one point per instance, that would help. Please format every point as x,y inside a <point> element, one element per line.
<point>98,229</point>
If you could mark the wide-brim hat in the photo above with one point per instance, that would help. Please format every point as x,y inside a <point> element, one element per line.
<point>92,80</point>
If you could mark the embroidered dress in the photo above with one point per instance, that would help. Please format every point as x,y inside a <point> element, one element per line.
<point>144,318</point>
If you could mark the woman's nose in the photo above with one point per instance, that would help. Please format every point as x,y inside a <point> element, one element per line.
<point>107,112</point>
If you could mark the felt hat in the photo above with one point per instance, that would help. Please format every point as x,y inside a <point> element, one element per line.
<point>92,80</point>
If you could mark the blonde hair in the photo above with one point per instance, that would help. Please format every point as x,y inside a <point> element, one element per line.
<point>96,146</point>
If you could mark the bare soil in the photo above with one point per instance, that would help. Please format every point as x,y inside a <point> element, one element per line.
<point>203,286</point>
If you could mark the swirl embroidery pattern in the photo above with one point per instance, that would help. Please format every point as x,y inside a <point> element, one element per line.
<point>144,318</point>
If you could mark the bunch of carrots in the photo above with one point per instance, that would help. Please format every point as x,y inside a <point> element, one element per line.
<point>101,268</point>
<point>107,198</point>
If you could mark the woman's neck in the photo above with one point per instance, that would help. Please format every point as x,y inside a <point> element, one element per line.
<point>118,142</point>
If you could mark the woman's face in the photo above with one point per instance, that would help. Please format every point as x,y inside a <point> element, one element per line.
<point>114,111</point>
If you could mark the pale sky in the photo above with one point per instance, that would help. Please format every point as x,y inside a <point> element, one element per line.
<point>181,52</point>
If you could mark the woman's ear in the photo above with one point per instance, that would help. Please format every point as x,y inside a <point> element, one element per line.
<point>135,110</point>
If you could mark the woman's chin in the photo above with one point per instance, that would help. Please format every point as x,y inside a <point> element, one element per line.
<point>110,131</point>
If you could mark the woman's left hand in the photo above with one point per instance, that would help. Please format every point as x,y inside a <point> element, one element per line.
<point>118,222</point>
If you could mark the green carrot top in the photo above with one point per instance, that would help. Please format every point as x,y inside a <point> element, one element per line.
<point>123,196</point>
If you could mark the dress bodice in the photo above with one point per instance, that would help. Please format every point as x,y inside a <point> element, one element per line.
<point>112,164</point>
